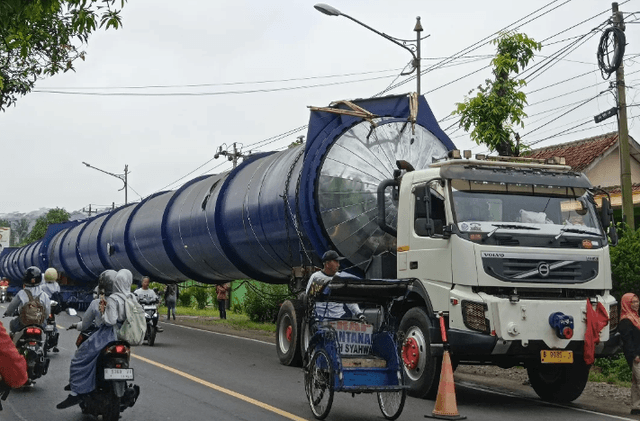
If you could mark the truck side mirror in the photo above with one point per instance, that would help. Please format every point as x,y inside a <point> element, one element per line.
<point>606,217</point>
<point>606,213</point>
<point>382,212</point>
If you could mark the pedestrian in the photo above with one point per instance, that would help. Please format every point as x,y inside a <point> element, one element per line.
<point>629,328</point>
<point>317,282</point>
<point>222,292</point>
<point>170,299</point>
<point>13,366</point>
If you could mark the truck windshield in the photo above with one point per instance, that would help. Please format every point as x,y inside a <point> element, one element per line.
<point>552,210</point>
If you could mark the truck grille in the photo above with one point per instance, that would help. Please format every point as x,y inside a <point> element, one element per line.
<point>517,267</point>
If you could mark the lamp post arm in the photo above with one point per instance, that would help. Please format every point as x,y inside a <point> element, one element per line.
<point>121,177</point>
<point>382,34</point>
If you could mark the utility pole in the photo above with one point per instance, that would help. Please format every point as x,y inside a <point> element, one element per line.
<point>126,171</point>
<point>231,156</point>
<point>623,134</point>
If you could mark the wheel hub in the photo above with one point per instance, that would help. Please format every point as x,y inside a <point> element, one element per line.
<point>289,333</point>
<point>410,353</point>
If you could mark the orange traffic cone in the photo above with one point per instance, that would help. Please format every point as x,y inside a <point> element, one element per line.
<point>446,407</point>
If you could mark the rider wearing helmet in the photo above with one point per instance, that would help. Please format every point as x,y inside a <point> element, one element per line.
<point>31,282</point>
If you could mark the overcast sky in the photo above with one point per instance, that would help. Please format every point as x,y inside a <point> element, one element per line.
<point>294,57</point>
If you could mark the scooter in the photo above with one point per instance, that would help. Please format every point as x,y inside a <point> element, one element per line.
<point>113,393</point>
<point>31,345</point>
<point>151,315</point>
<point>4,392</point>
<point>4,295</point>
<point>51,342</point>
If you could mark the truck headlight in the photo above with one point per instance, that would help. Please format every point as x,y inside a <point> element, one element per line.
<point>473,316</point>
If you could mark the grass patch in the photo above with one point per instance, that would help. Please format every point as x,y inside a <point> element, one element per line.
<point>613,370</point>
<point>235,320</point>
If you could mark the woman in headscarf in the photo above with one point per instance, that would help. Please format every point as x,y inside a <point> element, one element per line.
<point>82,373</point>
<point>115,311</point>
<point>629,328</point>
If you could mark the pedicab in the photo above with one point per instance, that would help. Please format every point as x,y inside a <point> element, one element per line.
<point>347,355</point>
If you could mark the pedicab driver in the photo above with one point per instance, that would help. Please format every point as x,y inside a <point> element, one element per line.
<point>317,281</point>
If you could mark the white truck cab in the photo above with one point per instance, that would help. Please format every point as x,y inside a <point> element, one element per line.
<point>511,254</point>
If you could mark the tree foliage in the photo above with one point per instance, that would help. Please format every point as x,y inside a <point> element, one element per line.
<point>499,105</point>
<point>54,216</point>
<point>40,38</point>
<point>20,230</point>
<point>625,262</point>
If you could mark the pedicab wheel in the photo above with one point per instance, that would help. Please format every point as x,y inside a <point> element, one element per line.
<point>318,383</point>
<point>392,403</point>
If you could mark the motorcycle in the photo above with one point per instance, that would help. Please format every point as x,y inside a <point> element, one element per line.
<point>113,393</point>
<point>51,342</point>
<point>31,345</point>
<point>4,392</point>
<point>151,315</point>
<point>4,294</point>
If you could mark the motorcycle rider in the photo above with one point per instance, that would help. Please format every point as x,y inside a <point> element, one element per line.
<point>51,287</point>
<point>31,282</point>
<point>147,295</point>
<point>82,371</point>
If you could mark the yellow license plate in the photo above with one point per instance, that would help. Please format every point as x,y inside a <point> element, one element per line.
<point>556,357</point>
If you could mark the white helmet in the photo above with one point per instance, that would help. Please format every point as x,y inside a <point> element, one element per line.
<point>50,275</point>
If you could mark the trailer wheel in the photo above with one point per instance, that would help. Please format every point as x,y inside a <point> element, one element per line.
<point>422,371</point>
<point>558,382</point>
<point>288,333</point>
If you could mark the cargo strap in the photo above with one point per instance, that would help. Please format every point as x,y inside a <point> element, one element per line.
<point>355,111</point>
<point>413,111</point>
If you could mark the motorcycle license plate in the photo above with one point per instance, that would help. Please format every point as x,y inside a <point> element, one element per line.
<point>118,373</point>
<point>556,357</point>
<point>49,328</point>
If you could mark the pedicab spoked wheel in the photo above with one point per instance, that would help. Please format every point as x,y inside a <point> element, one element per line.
<point>392,403</point>
<point>318,384</point>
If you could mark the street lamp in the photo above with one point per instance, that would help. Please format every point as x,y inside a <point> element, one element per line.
<point>414,50</point>
<point>122,177</point>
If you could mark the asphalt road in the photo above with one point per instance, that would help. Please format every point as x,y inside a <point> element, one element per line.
<point>198,375</point>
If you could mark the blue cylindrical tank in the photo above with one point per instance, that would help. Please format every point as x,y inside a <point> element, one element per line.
<point>274,212</point>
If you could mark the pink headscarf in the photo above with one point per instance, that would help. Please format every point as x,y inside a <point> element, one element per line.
<point>627,312</point>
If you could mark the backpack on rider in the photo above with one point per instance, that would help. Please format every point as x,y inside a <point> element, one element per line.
<point>134,326</point>
<point>33,312</point>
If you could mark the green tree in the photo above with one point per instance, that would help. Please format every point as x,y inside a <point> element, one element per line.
<point>625,262</point>
<point>54,216</point>
<point>40,38</point>
<point>21,230</point>
<point>499,105</point>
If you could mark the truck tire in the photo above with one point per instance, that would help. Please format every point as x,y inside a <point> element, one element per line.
<point>558,382</point>
<point>422,371</point>
<point>288,333</point>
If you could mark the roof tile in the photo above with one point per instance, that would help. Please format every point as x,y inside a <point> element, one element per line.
<point>578,154</point>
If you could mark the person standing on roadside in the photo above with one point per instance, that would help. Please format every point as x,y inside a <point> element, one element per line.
<point>629,328</point>
<point>170,299</point>
<point>222,292</point>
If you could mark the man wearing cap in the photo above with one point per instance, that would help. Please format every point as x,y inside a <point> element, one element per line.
<point>331,310</point>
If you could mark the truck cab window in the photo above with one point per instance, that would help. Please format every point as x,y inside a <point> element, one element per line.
<point>429,210</point>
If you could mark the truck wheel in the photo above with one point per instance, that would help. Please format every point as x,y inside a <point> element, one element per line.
<point>288,332</point>
<point>558,382</point>
<point>422,371</point>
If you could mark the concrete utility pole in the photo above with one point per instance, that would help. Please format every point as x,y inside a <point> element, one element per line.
<point>122,177</point>
<point>623,134</point>
<point>231,156</point>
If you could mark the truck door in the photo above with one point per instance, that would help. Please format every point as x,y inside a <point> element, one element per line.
<point>429,253</point>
